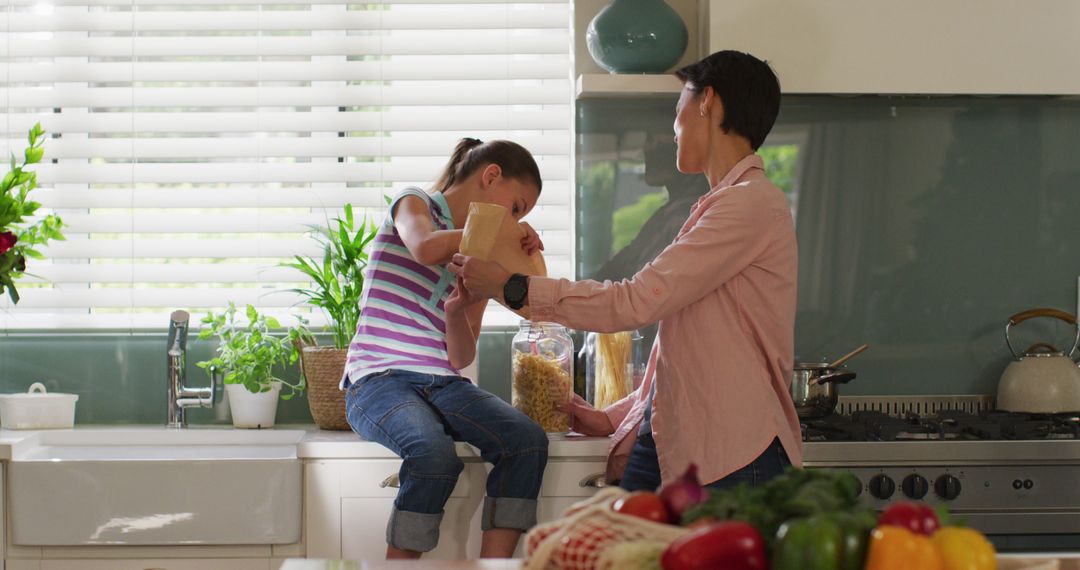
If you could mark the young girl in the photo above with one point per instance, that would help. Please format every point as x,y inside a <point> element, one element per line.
<point>418,327</point>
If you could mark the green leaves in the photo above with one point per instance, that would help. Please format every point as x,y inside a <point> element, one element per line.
<point>796,493</point>
<point>248,352</point>
<point>21,236</point>
<point>338,277</point>
<point>33,155</point>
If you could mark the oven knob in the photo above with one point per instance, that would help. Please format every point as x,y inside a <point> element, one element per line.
<point>947,487</point>
<point>882,487</point>
<point>915,486</point>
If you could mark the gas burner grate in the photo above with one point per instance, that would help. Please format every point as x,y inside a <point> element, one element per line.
<point>900,421</point>
<point>921,405</point>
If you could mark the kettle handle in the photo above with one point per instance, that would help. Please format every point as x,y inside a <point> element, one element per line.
<point>1022,316</point>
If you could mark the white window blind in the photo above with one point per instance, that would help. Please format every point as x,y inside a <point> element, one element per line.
<point>191,142</point>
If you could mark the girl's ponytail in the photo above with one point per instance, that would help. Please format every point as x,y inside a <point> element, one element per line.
<point>470,154</point>
<point>449,174</point>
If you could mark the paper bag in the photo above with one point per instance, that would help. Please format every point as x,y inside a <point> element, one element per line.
<point>492,234</point>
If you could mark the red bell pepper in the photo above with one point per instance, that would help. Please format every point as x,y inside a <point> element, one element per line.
<point>731,545</point>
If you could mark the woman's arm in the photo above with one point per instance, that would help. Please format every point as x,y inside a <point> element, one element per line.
<point>427,245</point>
<point>730,235</point>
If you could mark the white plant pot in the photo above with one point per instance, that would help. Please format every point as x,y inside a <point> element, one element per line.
<point>251,410</point>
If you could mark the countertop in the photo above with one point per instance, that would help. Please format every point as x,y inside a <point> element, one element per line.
<point>403,565</point>
<point>322,444</point>
<point>1049,561</point>
<point>313,443</point>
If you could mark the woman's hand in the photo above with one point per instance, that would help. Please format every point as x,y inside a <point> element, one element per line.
<point>483,279</point>
<point>586,419</point>
<point>531,243</point>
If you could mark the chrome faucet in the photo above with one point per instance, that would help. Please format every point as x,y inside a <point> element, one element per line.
<point>179,396</point>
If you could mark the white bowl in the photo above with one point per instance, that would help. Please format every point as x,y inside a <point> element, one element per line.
<point>37,409</point>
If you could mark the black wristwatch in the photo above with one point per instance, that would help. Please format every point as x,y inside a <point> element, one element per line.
<point>516,290</point>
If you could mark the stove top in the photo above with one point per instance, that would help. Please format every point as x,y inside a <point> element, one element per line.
<point>1004,473</point>
<point>942,424</point>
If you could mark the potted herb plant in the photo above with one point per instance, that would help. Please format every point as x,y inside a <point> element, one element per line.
<point>18,239</point>
<point>247,354</point>
<point>337,282</point>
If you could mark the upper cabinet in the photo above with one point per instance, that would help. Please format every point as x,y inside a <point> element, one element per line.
<point>992,47</point>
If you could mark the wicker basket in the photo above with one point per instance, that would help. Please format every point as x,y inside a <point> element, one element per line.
<point>323,367</point>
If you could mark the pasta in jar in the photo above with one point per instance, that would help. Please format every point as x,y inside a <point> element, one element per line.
<point>542,375</point>
<point>614,369</point>
<point>613,366</point>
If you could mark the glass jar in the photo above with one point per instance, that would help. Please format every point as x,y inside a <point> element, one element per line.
<point>542,373</point>
<point>614,366</point>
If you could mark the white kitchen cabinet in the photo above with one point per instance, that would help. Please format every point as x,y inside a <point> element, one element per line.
<point>217,557</point>
<point>913,47</point>
<point>346,506</point>
<point>566,481</point>
<point>3,515</point>
<point>349,502</point>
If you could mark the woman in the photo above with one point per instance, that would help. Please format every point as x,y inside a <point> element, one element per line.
<point>715,391</point>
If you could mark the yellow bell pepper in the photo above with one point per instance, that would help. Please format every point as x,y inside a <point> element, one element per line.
<point>896,548</point>
<point>965,549</point>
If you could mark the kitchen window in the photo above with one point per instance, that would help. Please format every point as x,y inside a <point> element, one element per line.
<point>192,143</point>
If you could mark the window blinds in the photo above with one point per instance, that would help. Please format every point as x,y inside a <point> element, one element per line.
<point>191,143</point>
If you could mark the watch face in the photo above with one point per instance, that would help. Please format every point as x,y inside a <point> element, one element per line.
<point>514,292</point>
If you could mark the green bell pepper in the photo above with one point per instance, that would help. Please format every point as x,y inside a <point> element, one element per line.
<point>826,541</point>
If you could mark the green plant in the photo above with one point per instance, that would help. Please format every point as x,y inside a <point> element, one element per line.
<point>18,239</point>
<point>248,353</point>
<point>338,279</point>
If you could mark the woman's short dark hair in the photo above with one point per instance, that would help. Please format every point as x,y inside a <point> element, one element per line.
<point>747,87</point>
<point>471,154</point>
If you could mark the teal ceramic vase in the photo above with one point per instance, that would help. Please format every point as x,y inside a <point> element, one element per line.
<point>636,36</point>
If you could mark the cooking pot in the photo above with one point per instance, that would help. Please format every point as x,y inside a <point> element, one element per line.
<point>1042,380</point>
<point>814,390</point>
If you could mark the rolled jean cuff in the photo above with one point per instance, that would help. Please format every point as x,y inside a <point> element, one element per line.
<point>418,532</point>
<point>508,512</point>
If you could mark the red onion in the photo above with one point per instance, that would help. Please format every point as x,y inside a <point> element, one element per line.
<point>683,493</point>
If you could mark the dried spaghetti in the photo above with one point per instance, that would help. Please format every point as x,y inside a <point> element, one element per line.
<point>612,364</point>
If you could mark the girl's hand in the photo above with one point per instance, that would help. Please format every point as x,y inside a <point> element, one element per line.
<point>461,298</point>
<point>531,242</point>
<point>586,419</point>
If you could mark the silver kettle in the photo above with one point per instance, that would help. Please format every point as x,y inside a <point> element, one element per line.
<point>1042,380</point>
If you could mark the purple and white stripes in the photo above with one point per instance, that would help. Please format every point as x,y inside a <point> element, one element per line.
<point>402,316</point>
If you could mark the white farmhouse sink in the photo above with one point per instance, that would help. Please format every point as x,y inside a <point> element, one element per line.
<point>155,486</point>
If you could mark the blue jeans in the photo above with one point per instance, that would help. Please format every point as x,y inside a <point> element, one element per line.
<point>419,417</point>
<point>643,469</point>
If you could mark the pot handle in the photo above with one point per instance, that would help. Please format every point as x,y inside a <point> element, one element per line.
<point>1041,312</point>
<point>837,377</point>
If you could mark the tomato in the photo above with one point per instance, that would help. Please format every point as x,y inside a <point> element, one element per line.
<point>643,504</point>
<point>731,545</point>
<point>916,517</point>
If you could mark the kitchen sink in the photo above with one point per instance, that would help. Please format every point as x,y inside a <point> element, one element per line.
<point>155,486</point>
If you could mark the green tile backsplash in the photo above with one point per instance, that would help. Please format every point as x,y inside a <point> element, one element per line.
<point>923,223</point>
<point>121,378</point>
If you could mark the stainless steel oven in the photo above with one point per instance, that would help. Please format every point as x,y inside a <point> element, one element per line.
<point>1015,477</point>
